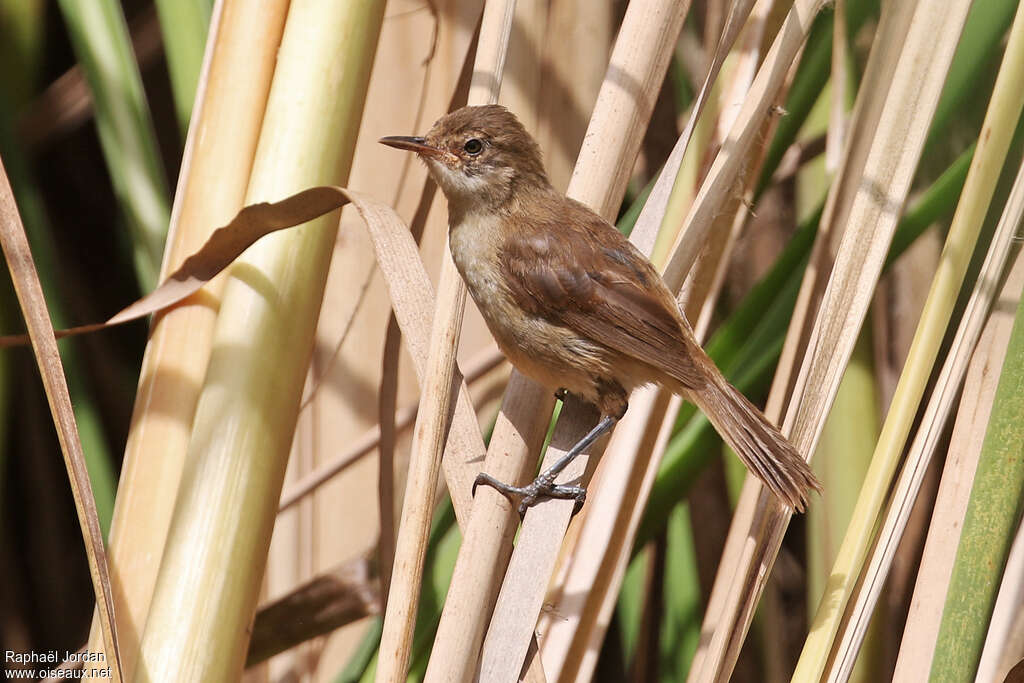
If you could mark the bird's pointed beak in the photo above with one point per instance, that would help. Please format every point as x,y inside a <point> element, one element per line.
<point>418,145</point>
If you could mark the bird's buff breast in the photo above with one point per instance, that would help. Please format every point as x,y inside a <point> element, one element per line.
<point>549,354</point>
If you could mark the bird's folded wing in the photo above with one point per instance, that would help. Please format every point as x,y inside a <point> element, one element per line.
<point>589,278</point>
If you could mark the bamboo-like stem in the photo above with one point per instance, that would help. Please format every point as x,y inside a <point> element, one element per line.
<point>249,404</point>
<point>573,629</point>
<point>876,187</point>
<point>437,395</point>
<point>488,538</point>
<point>993,144</point>
<point>241,54</point>
<point>642,50</point>
<point>424,468</point>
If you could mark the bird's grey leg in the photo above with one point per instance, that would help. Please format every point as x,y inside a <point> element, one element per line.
<point>544,486</point>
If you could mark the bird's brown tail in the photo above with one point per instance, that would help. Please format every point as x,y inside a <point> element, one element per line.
<point>757,442</point>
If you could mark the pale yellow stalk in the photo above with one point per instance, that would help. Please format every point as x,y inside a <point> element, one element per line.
<point>241,52</point>
<point>917,645</point>
<point>209,579</point>
<point>873,188</point>
<point>993,144</point>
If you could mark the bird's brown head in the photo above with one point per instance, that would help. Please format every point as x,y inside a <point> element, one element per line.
<point>480,156</point>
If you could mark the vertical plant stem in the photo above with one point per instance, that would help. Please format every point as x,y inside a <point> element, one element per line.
<point>242,54</point>
<point>434,417</point>
<point>245,419</point>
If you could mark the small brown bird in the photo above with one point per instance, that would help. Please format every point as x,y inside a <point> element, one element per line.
<point>572,303</point>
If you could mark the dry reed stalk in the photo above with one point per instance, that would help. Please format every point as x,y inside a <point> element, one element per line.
<point>699,292</point>
<point>718,185</point>
<point>641,54</point>
<point>241,52</point>
<point>866,217</point>
<point>433,420</point>
<point>582,595</point>
<point>29,292</point>
<point>863,122</point>
<point>247,411</point>
<point>488,538</point>
<point>1001,119</point>
<point>930,432</point>
<point>837,115</point>
<point>656,208</point>
<point>429,440</point>
<point>524,417</point>
<point>521,81</point>
<point>922,627</point>
<point>574,626</point>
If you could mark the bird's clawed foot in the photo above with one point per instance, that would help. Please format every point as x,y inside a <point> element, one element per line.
<point>543,488</point>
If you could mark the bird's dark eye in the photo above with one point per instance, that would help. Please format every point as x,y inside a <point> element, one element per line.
<point>473,146</point>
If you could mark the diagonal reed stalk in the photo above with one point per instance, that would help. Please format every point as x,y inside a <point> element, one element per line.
<point>44,346</point>
<point>994,142</point>
<point>434,417</point>
<point>864,208</point>
<point>642,51</point>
